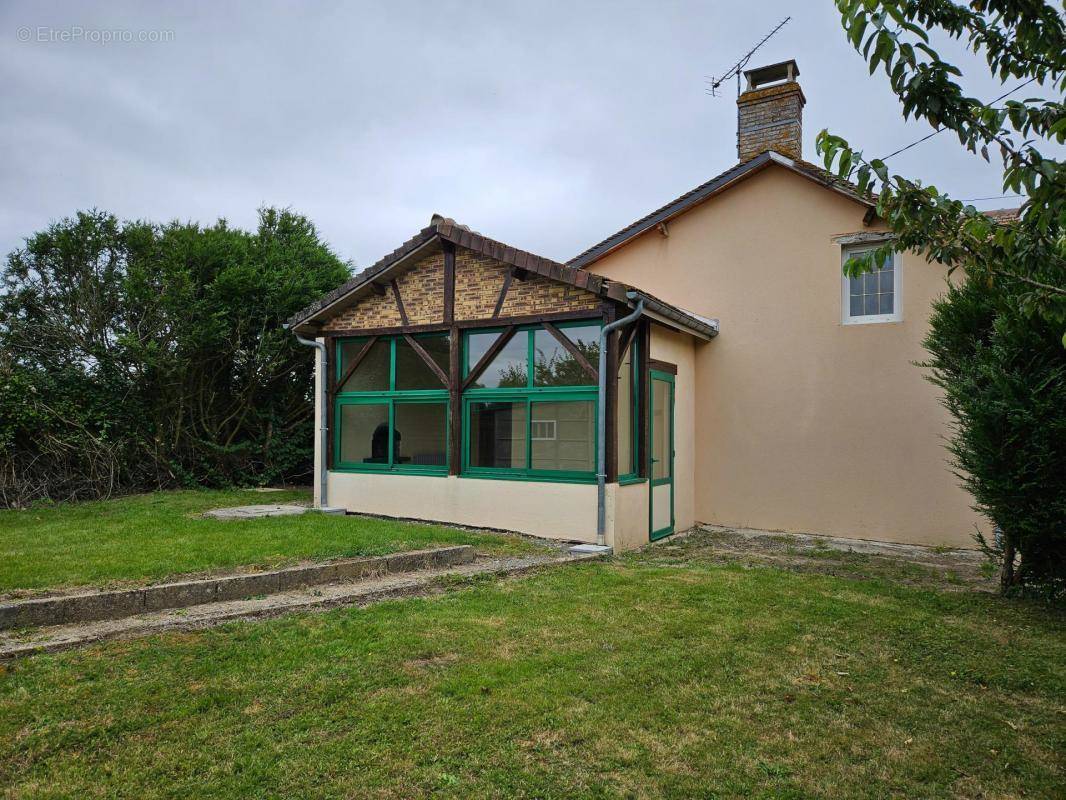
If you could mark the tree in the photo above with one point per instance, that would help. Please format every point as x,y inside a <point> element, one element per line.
<point>1013,296</point>
<point>137,356</point>
<point>1003,375</point>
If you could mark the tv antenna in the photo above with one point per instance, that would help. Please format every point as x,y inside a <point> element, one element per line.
<point>735,70</point>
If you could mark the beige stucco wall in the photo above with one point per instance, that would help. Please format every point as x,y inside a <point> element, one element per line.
<point>553,510</point>
<point>627,515</point>
<point>801,423</point>
<point>561,511</point>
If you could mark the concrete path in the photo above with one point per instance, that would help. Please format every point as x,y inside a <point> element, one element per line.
<point>360,592</point>
<point>91,605</point>
<point>255,512</point>
<point>944,569</point>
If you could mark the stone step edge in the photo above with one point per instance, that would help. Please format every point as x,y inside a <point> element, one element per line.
<point>116,604</point>
<point>431,584</point>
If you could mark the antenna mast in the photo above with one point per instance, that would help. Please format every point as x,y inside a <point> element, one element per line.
<point>736,69</point>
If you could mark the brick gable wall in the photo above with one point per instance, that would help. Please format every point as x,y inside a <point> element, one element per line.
<point>478,280</point>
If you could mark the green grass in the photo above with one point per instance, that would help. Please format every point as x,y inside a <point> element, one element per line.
<point>637,677</point>
<point>153,536</point>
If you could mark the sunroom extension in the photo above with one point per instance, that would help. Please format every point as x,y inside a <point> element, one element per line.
<point>461,385</point>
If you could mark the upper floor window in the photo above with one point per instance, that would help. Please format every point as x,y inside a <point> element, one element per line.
<point>873,296</point>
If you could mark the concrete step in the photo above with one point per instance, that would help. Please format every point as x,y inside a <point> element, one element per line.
<point>88,606</point>
<point>358,592</point>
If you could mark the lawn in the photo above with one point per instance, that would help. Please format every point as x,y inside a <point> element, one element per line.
<point>663,674</point>
<point>153,536</point>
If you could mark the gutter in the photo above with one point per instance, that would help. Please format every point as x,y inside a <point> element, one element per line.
<point>601,424</point>
<point>702,328</point>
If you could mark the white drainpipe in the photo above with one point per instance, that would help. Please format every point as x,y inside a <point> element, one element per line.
<point>323,406</point>
<point>601,424</point>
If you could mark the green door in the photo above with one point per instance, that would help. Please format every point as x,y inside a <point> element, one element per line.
<point>661,448</point>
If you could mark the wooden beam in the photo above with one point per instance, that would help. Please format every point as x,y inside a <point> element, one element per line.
<point>578,356</point>
<point>626,336</point>
<point>611,399</point>
<point>490,354</point>
<point>433,365</point>
<point>591,314</point>
<point>455,399</point>
<point>643,351</point>
<point>449,282</point>
<point>355,363</point>
<point>331,390</point>
<point>399,301</point>
<point>503,293</point>
<point>662,366</point>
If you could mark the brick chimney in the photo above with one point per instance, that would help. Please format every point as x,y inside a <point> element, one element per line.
<point>770,112</point>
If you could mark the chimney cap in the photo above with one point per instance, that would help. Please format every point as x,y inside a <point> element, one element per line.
<point>782,71</point>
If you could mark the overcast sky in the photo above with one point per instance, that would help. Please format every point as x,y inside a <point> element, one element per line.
<point>545,125</point>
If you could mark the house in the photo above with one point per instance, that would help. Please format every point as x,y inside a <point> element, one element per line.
<point>708,363</point>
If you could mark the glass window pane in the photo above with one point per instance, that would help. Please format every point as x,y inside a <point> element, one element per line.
<point>624,417</point>
<point>562,436</point>
<point>869,304</point>
<point>372,374</point>
<point>421,434</point>
<point>855,286</point>
<point>555,366</point>
<point>364,434</point>
<point>885,303</point>
<point>856,305</point>
<point>412,372</point>
<point>497,435</point>
<point>660,430</point>
<point>885,277</point>
<point>508,370</point>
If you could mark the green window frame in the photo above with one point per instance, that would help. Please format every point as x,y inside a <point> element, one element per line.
<point>395,402</point>
<point>527,397</point>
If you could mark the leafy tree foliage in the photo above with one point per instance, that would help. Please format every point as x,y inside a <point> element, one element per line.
<point>136,356</point>
<point>996,342</point>
<point>1003,374</point>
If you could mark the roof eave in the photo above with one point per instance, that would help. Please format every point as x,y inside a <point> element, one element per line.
<point>673,317</point>
<point>348,293</point>
<point>727,180</point>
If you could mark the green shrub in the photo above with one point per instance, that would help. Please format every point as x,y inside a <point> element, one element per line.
<point>1003,373</point>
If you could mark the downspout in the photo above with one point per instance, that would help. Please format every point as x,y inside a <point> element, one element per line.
<point>601,421</point>
<point>323,413</point>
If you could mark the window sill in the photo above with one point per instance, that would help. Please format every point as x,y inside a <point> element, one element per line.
<point>871,321</point>
<point>438,472</point>
<point>528,478</point>
<point>629,480</point>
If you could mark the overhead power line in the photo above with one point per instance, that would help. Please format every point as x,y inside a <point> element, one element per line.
<point>993,197</point>
<point>938,130</point>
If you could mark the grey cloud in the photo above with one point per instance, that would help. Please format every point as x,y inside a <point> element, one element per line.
<point>548,125</point>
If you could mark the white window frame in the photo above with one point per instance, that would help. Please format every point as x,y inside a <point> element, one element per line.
<point>847,252</point>
<point>548,428</point>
